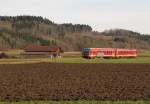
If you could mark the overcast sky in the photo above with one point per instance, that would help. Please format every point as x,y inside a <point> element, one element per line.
<point>100,14</point>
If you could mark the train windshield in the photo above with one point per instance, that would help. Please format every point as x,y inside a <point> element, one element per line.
<point>85,51</point>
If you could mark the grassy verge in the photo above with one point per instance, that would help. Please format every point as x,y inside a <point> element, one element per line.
<point>140,60</point>
<point>78,102</point>
<point>100,61</point>
<point>144,53</point>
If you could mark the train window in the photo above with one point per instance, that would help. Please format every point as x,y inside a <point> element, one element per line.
<point>121,52</point>
<point>109,52</point>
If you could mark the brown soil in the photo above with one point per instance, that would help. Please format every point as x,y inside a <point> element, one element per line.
<point>75,82</point>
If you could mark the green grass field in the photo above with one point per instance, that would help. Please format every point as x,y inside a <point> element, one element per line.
<point>139,60</point>
<point>144,53</point>
<point>100,61</point>
<point>72,57</point>
<point>78,102</point>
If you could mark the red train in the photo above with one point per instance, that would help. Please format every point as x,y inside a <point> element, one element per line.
<point>108,53</point>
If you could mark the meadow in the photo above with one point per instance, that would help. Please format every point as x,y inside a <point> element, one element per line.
<point>71,57</point>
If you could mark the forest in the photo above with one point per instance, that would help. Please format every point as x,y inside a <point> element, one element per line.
<point>19,31</point>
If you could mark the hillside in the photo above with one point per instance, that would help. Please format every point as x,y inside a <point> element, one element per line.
<point>16,32</point>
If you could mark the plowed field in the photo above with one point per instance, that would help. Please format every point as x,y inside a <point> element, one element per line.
<point>75,82</point>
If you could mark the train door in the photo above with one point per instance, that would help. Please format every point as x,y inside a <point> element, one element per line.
<point>100,54</point>
<point>116,53</point>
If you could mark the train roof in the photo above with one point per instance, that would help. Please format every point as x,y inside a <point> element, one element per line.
<point>120,49</point>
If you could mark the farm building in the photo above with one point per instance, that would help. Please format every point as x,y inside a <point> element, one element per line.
<point>43,50</point>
